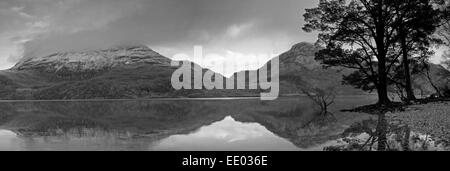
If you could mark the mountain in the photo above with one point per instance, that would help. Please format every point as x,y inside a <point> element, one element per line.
<point>92,61</point>
<point>299,69</point>
<point>298,66</point>
<point>438,76</point>
<point>116,73</point>
<point>130,72</point>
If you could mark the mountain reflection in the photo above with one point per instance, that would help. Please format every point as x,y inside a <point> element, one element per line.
<point>167,125</point>
<point>224,135</point>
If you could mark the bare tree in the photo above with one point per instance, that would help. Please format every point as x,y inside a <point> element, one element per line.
<point>323,97</point>
<point>431,81</point>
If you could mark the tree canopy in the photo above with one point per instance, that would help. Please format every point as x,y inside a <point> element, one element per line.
<point>366,35</point>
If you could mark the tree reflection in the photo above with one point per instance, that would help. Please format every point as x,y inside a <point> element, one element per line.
<point>380,135</point>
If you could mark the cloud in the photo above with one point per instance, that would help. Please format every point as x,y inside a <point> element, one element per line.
<point>236,30</point>
<point>19,10</point>
<point>31,27</point>
<point>173,26</point>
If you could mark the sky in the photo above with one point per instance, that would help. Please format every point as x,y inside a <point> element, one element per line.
<point>247,30</point>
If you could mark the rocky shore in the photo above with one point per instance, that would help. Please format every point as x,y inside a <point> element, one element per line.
<point>432,119</point>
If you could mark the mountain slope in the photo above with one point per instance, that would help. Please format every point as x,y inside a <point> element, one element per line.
<point>74,75</point>
<point>299,69</point>
<point>70,65</point>
<point>119,72</point>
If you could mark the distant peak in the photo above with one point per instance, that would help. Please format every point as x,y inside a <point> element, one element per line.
<point>94,59</point>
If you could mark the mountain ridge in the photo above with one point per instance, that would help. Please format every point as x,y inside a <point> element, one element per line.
<point>128,72</point>
<point>132,72</point>
<point>92,59</point>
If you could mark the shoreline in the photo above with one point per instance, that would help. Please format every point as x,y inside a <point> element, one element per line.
<point>431,118</point>
<point>162,99</point>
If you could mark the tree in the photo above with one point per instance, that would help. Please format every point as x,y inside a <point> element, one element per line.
<point>444,31</point>
<point>364,35</point>
<point>443,38</point>
<point>445,35</point>
<point>321,92</point>
<point>323,97</point>
<point>414,34</point>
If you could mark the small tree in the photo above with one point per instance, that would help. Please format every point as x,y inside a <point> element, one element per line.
<point>430,79</point>
<point>324,98</point>
<point>321,92</point>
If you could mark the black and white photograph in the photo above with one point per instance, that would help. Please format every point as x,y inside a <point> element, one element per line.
<point>224,76</point>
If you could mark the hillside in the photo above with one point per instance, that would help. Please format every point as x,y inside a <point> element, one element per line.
<point>299,69</point>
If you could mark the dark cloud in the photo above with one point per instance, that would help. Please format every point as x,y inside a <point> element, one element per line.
<point>246,26</point>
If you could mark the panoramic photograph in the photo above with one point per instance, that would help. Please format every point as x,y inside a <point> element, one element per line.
<point>224,76</point>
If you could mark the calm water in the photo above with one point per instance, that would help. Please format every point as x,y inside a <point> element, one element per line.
<point>166,125</point>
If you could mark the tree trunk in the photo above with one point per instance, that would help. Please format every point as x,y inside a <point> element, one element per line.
<point>430,79</point>
<point>383,98</point>
<point>409,90</point>
<point>382,87</point>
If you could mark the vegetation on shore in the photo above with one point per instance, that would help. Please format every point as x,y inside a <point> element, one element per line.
<point>385,43</point>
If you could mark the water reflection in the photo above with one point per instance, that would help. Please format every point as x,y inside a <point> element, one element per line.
<point>9,141</point>
<point>225,135</point>
<point>244,124</point>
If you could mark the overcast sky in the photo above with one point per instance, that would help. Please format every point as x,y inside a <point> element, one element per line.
<point>40,27</point>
